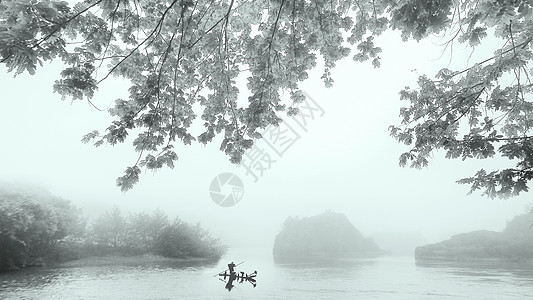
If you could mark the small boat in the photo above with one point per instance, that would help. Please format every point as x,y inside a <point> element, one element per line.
<point>241,275</point>
<point>230,276</point>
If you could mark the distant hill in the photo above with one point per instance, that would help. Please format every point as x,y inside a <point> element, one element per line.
<point>326,235</point>
<point>515,243</point>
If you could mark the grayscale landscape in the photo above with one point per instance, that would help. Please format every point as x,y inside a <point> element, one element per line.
<point>266,149</point>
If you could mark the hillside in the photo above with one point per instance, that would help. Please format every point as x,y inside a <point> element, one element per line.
<point>515,243</point>
<point>326,235</point>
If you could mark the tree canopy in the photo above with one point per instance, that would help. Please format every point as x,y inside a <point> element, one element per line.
<point>181,54</point>
<point>33,227</point>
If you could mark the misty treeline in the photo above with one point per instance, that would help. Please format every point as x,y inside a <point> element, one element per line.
<point>37,229</point>
<point>140,233</point>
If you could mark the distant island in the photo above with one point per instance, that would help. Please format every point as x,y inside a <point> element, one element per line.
<point>515,243</point>
<point>328,235</point>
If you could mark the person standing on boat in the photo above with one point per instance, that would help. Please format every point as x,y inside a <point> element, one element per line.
<point>231,267</point>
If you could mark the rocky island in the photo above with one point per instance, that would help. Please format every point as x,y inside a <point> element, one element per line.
<point>325,236</point>
<point>515,243</point>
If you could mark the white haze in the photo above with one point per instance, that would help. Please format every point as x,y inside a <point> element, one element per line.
<point>345,162</point>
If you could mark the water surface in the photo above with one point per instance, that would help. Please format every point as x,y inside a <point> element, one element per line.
<point>379,278</point>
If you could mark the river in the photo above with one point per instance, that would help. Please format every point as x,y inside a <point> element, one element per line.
<point>388,277</point>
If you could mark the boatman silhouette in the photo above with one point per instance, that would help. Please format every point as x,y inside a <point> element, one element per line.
<point>231,267</point>
<point>233,276</point>
<point>229,285</point>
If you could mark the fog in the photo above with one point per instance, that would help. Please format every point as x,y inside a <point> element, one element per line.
<point>345,161</point>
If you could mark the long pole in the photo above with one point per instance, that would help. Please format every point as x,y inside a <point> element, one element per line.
<point>242,262</point>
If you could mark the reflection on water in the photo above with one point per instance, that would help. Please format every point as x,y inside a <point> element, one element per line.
<point>342,263</point>
<point>30,279</point>
<point>135,281</point>
<point>379,278</point>
<point>506,279</point>
<point>483,270</point>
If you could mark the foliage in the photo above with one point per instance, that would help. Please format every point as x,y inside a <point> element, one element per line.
<point>181,54</point>
<point>109,228</point>
<point>143,229</point>
<point>33,228</point>
<point>37,228</point>
<point>141,233</point>
<point>483,111</point>
<point>177,54</point>
<point>180,240</point>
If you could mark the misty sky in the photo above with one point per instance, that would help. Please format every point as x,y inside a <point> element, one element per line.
<point>345,162</point>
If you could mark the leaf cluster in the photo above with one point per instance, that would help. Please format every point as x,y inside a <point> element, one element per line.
<point>178,55</point>
<point>484,111</point>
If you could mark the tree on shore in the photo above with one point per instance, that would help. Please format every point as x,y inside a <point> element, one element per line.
<point>177,54</point>
<point>109,228</point>
<point>180,239</point>
<point>141,233</point>
<point>33,228</point>
<point>37,228</point>
<point>143,229</point>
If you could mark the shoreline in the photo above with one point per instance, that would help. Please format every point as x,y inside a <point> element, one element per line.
<point>119,260</point>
